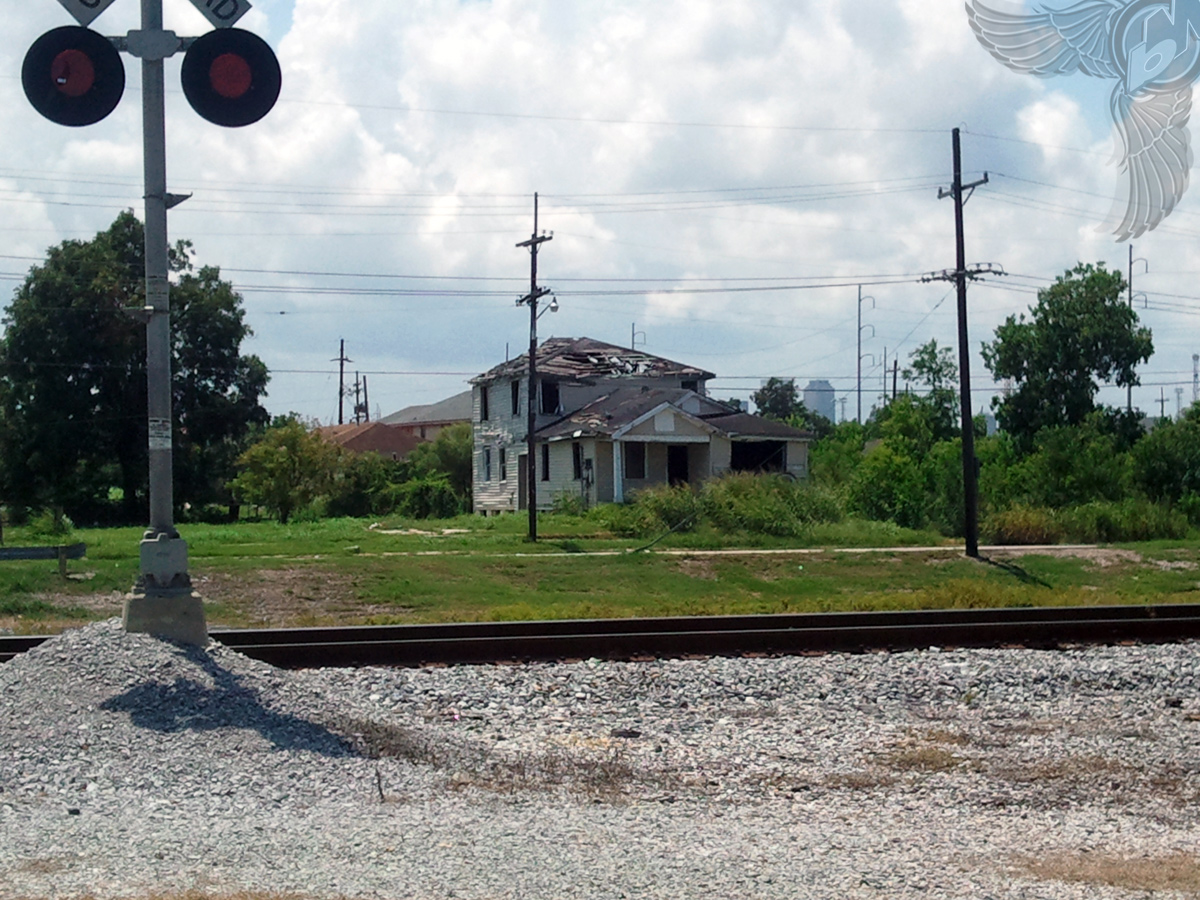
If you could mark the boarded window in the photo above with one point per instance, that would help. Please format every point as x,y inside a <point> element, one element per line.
<point>516,398</point>
<point>483,404</point>
<point>635,460</point>
<point>545,462</point>
<point>577,461</point>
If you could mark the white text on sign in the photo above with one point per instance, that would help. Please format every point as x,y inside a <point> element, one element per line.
<point>221,13</point>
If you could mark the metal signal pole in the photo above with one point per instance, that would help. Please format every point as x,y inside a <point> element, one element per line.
<point>535,241</point>
<point>162,601</point>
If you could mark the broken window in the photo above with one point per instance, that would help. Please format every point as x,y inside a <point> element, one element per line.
<point>549,398</point>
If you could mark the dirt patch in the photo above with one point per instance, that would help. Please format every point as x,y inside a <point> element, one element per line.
<point>1099,557</point>
<point>106,604</point>
<point>1175,872</point>
<point>698,567</point>
<point>283,598</point>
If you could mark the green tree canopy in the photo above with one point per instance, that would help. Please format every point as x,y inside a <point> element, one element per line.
<point>1080,332</point>
<point>73,380</point>
<point>287,469</point>
<point>778,399</point>
<point>933,368</point>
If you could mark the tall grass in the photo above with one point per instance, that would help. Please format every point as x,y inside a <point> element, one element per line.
<point>735,504</point>
<point>1100,522</point>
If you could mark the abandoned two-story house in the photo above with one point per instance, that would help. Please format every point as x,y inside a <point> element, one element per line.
<point>609,422</point>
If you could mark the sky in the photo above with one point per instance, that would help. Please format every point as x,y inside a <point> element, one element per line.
<point>719,178</point>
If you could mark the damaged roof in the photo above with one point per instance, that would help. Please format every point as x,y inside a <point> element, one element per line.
<point>740,424</point>
<point>608,414</point>
<point>582,359</point>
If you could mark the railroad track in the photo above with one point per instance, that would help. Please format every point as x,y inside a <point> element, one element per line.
<point>484,642</point>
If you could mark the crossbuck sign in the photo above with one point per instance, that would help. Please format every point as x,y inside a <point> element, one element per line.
<point>220,13</point>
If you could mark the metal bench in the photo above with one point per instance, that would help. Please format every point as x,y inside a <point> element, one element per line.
<point>62,553</point>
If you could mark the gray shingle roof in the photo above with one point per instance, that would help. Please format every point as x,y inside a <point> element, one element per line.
<point>581,359</point>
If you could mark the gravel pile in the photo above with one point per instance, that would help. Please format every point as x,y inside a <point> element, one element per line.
<point>129,765</point>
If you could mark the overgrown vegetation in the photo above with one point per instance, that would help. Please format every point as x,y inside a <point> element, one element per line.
<point>292,471</point>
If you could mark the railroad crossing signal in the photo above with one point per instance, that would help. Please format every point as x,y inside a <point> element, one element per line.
<point>231,77</point>
<point>74,76</point>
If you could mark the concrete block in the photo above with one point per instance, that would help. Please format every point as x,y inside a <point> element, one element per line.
<point>174,615</point>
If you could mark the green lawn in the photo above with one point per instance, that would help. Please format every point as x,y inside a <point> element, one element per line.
<point>360,571</point>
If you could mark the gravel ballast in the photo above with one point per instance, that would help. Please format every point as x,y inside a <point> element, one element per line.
<point>130,765</point>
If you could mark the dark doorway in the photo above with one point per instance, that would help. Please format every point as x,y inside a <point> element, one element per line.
<point>758,456</point>
<point>677,464</point>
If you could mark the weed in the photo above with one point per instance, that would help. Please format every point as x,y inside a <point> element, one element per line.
<point>861,780</point>
<point>922,759</point>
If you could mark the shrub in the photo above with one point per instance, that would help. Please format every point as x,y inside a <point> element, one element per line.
<point>428,497</point>
<point>1126,520</point>
<point>49,524</point>
<point>570,503</point>
<point>1022,525</point>
<point>815,504</point>
<point>759,504</point>
<point>888,485</point>
<point>1089,523</point>
<point>665,508</point>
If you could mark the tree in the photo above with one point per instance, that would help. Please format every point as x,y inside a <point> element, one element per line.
<point>934,368</point>
<point>777,399</point>
<point>289,468</point>
<point>73,380</point>
<point>1166,463</point>
<point>1080,332</point>
<point>451,454</point>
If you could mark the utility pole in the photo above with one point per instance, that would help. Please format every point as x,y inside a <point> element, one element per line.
<point>859,360</point>
<point>633,336</point>
<point>1195,377</point>
<point>341,360</point>
<point>1129,388</point>
<point>1162,403</point>
<point>895,375</point>
<point>970,470</point>
<point>534,242</point>
<point>360,405</point>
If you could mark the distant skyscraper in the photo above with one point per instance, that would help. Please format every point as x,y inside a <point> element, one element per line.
<point>818,397</point>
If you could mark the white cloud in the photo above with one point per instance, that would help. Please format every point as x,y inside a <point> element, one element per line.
<point>669,141</point>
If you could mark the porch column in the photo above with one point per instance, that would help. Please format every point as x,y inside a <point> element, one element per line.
<point>618,474</point>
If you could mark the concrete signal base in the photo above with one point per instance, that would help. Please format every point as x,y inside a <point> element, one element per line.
<point>174,615</point>
<point>163,602</point>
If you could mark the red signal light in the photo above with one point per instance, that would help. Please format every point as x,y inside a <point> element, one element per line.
<point>73,76</point>
<point>231,77</point>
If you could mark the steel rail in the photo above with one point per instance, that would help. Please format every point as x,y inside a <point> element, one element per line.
<point>486,642</point>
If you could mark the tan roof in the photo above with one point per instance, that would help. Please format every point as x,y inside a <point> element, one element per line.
<point>387,440</point>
